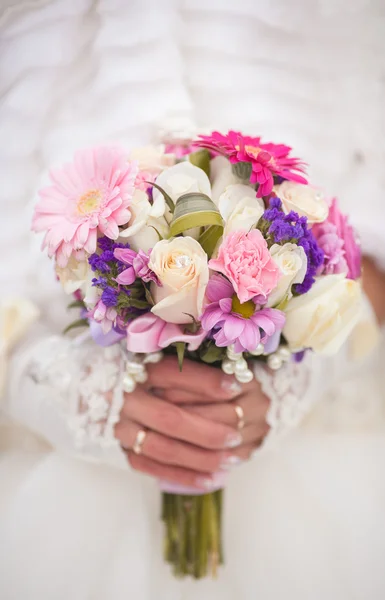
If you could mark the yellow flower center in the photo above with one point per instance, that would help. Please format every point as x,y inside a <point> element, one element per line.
<point>89,202</point>
<point>246,310</point>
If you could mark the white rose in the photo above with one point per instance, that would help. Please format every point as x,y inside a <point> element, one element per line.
<point>305,200</point>
<point>74,275</point>
<point>240,208</point>
<point>323,318</point>
<point>152,158</point>
<point>140,231</point>
<point>180,179</point>
<point>221,174</point>
<point>78,275</point>
<point>181,266</point>
<point>292,262</point>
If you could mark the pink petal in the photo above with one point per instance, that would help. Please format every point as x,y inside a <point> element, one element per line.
<point>125,255</point>
<point>127,277</point>
<point>218,287</point>
<point>225,305</point>
<point>233,327</point>
<point>250,337</point>
<point>109,228</point>
<point>90,244</point>
<point>211,316</point>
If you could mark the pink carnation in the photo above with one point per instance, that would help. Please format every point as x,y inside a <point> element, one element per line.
<point>338,240</point>
<point>246,261</point>
<point>267,160</point>
<point>89,195</point>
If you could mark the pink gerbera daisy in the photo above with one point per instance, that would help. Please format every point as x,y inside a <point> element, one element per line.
<point>89,195</point>
<point>266,160</point>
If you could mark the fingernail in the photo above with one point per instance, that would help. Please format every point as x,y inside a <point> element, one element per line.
<point>230,461</point>
<point>233,440</point>
<point>232,387</point>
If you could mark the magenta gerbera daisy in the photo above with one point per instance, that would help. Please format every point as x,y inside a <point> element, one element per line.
<point>91,194</point>
<point>231,322</point>
<point>266,160</point>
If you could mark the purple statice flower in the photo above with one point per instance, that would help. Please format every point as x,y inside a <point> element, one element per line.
<point>99,282</point>
<point>98,264</point>
<point>293,228</point>
<point>230,322</point>
<point>110,296</point>
<point>299,356</point>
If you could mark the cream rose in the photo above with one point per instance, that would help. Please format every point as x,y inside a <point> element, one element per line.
<point>305,200</point>
<point>240,208</point>
<point>323,318</point>
<point>143,225</point>
<point>78,275</point>
<point>292,263</point>
<point>181,267</point>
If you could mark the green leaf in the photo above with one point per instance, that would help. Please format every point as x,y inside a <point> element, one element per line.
<point>201,159</point>
<point>76,324</point>
<point>180,350</point>
<point>209,239</point>
<point>138,303</point>
<point>159,235</point>
<point>211,353</point>
<point>194,210</point>
<point>77,304</point>
<point>165,195</point>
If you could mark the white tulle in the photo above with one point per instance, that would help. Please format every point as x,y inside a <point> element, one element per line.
<point>305,520</point>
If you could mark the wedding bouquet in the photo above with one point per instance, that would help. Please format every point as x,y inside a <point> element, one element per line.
<point>217,250</point>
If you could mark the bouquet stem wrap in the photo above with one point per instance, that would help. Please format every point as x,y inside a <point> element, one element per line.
<point>193,533</point>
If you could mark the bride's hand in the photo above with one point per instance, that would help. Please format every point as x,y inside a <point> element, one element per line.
<point>191,423</point>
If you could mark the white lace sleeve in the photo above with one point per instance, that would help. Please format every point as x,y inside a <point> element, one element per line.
<point>70,392</point>
<point>288,390</point>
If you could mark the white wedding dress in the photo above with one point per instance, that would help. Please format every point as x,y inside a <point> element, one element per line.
<point>305,520</point>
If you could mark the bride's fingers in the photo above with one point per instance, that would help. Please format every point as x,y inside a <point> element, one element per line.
<point>175,422</point>
<point>200,481</point>
<point>254,410</point>
<point>179,396</point>
<point>169,451</point>
<point>198,379</point>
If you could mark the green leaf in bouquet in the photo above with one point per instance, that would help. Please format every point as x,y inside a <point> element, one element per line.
<point>242,170</point>
<point>159,235</point>
<point>194,210</point>
<point>201,159</point>
<point>210,238</point>
<point>210,353</point>
<point>180,350</point>
<point>76,324</point>
<point>141,304</point>
<point>165,195</point>
<point>194,326</point>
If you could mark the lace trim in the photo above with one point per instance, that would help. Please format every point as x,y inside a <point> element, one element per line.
<point>289,401</point>
<point>82,383</point>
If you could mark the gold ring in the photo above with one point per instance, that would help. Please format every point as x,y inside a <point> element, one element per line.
<point>240,416</point>
<point>139,441</point>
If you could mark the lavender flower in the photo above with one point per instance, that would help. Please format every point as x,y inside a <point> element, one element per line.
<point>291,227</point>
<point>110,296</point>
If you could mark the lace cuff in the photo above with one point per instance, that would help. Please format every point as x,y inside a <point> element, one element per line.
<point>290,398</point>
<point>70,392</point>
